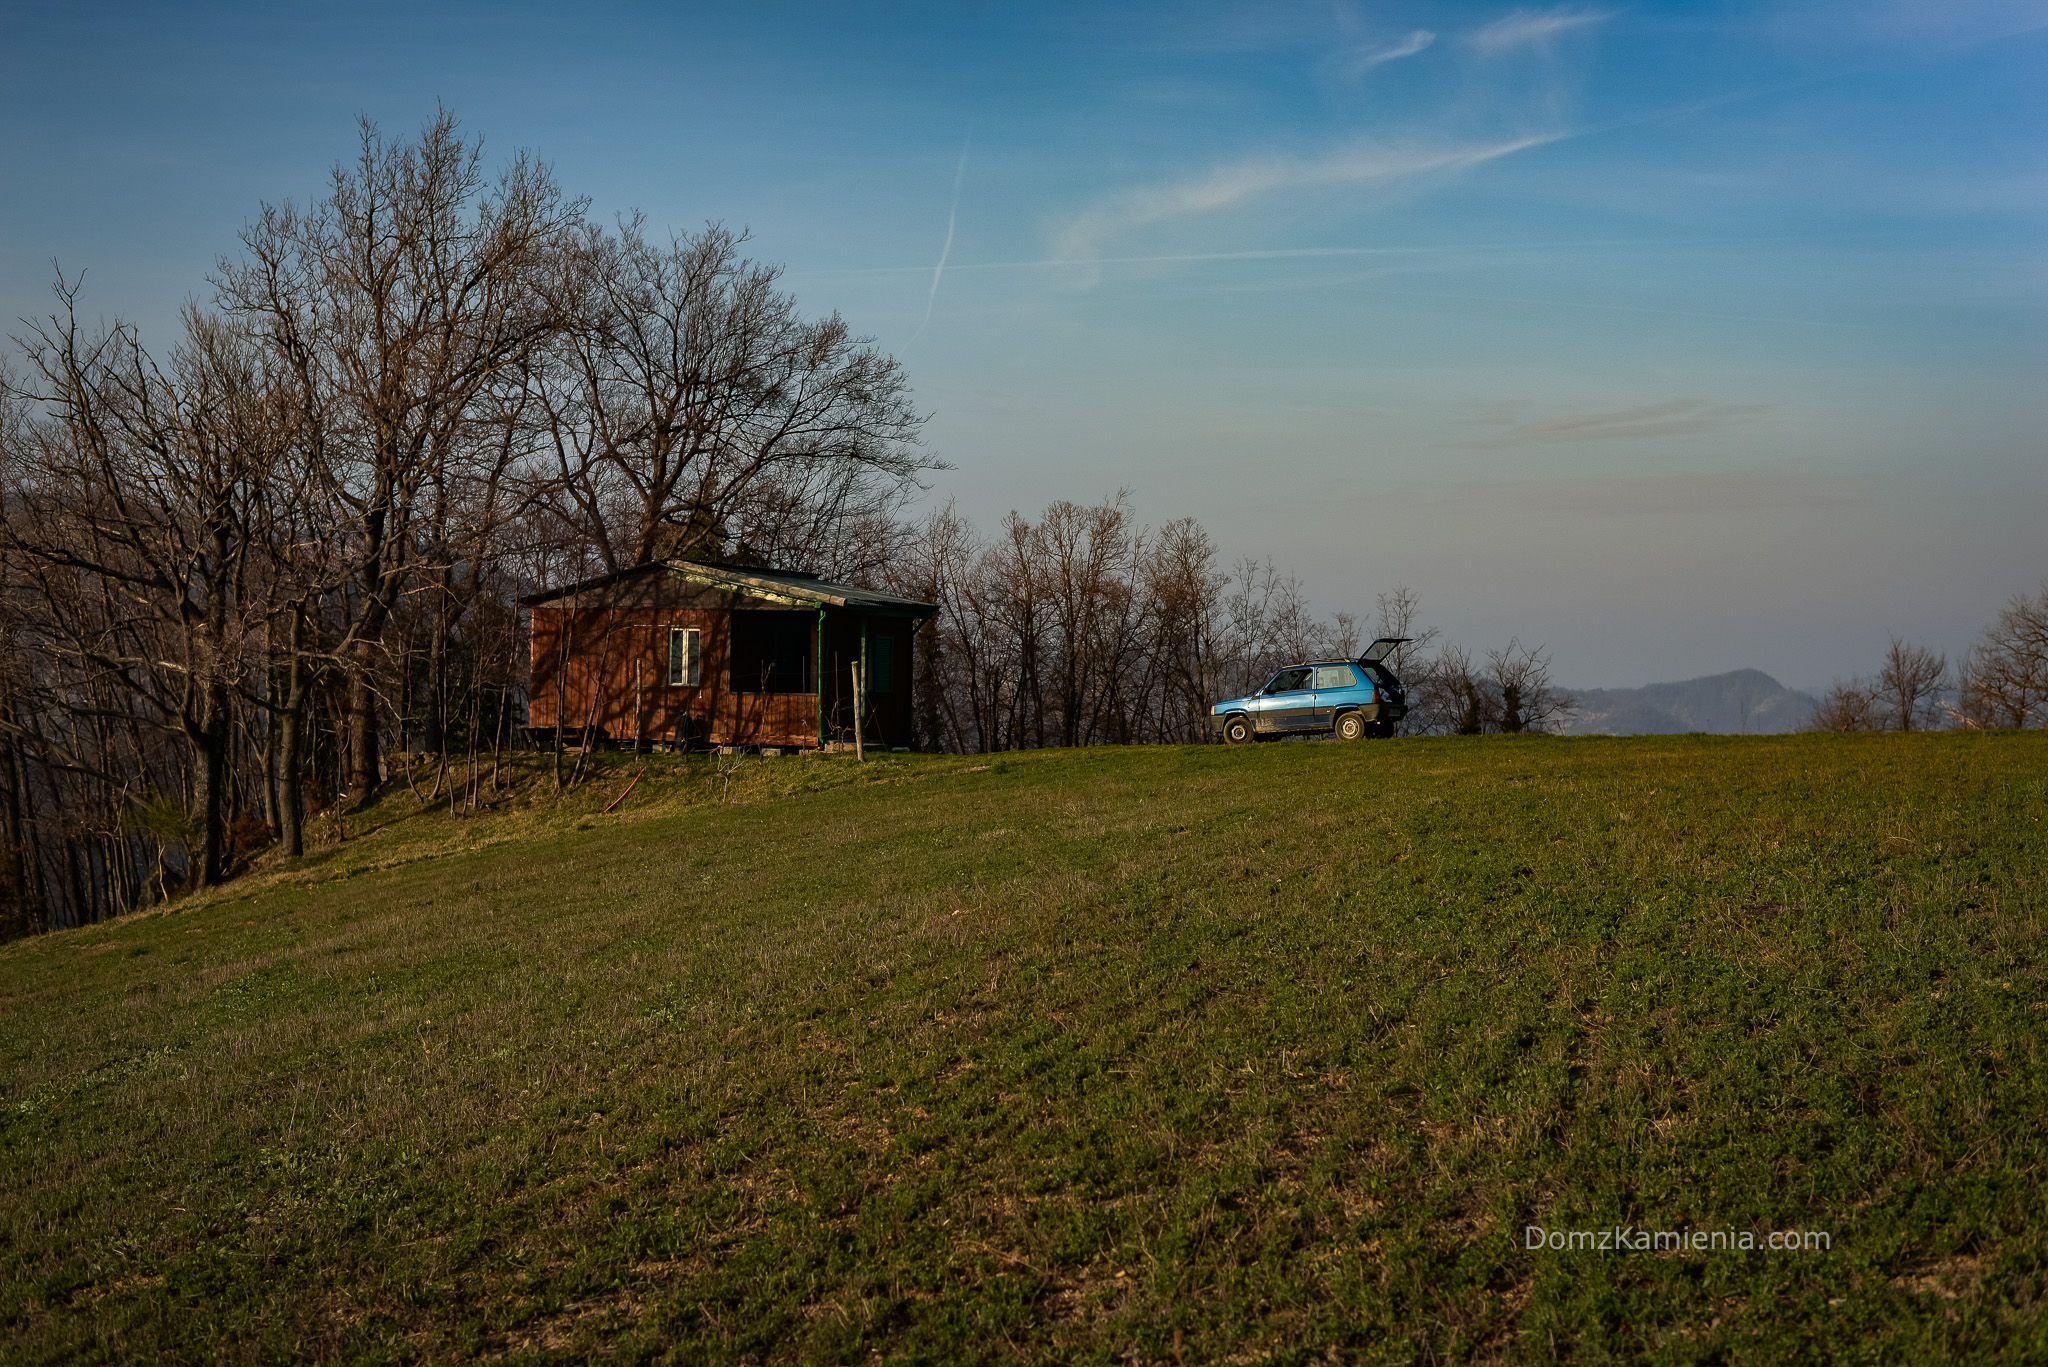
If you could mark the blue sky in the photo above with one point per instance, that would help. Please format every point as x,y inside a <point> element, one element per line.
<point>1676,337</point>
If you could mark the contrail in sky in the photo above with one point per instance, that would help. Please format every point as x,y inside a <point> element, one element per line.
<point>959,175</point>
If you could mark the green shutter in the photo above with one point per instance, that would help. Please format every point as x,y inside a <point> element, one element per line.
<point>882,663</point>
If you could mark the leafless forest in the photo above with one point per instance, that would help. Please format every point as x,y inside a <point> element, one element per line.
<point>2001,683</point>
<point>245,571</point>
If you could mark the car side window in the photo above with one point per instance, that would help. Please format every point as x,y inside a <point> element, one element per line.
<point>1289,681</point>
<point>1335,676</point>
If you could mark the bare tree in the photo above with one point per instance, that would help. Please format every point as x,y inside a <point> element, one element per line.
<point>950,674</point>
<point>225,577</point>
<point>1184,587</point>
<point>395,301</point>
<point>1266,623</point>
<point>2003,682</point>
<point>147,482</point>
<point>1087,562</point>
<point>1083,628</point>
<point>1519,690</point>
<point>692,411</point>
<point>1291,626</point>
<point>1452,698</point>
<point>1848,705</point>
<point>1908,684</point>
<point>1400,615</point>
<point>1509,692</point>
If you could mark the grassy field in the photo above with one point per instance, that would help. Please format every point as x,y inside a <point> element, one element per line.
<point>1168,1056</point>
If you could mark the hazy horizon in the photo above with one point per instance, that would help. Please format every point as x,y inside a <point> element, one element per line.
<point>1677,338</point>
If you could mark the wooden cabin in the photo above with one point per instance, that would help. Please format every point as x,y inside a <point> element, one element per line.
<point>683,653</point>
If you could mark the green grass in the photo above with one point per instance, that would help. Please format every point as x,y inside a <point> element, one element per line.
<point>1160,1055</point>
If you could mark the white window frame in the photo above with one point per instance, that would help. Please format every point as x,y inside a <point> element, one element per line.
<point>685,664</point>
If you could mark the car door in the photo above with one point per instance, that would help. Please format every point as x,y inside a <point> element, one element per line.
<point>1282,701</point>
<point>1335,686</point>
<point>1264,706</point>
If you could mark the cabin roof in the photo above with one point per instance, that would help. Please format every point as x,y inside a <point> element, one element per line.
<point>793,587</point>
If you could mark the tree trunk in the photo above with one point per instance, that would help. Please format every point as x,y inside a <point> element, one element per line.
<point>360,771</point>
<point>17,908</point>
<point>81,910</point>
<point>291,805</point>
<point>434,733</point>
<point>208,863</point>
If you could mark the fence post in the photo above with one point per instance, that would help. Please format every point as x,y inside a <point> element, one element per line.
<point>859,755</point>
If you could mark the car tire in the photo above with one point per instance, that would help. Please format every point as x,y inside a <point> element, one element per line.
<point>1238,731</point>
<point>1351,726</point>
<point>1382,730</point>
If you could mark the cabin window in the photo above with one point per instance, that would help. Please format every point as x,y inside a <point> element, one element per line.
<point>771,652</point>
<point>682,657</point>
<point>881,663</point>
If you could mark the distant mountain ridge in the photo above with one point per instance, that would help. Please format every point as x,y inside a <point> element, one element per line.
<point>1743,701</point>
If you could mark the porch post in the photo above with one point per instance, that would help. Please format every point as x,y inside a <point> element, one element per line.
<point>818,672</point>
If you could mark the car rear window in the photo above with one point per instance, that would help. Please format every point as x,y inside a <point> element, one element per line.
<point>1335,676</point>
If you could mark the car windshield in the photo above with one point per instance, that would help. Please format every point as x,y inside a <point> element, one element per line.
<point>1335,676</point>
<point>1289,681</point>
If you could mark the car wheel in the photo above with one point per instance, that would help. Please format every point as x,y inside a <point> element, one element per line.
<point>1350,726</point>
<point>1238,731</point>
<point>1382,730</point>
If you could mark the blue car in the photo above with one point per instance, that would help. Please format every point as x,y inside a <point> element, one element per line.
<point>1350,698</point>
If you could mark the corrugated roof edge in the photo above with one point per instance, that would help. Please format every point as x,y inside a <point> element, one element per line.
<point>792,586</point>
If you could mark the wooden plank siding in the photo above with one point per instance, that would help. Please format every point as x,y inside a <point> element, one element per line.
<point>600,659</point>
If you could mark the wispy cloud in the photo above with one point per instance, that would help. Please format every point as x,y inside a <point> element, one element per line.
<point>1670,418</point>
<point>1226,187</point>
<point>1359,60</point>
<point>1690,493</point>
<point>1478,249</point>
<point>1534,28</point>
<point>952,213</point>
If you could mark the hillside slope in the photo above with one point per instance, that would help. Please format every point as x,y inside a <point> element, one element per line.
<point>1742,702</point>
<point>1206,1055</point>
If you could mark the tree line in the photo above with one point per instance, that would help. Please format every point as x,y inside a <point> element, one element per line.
<point>239,574</point>
<point>1083,627</point>
<point>2000,683</point>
